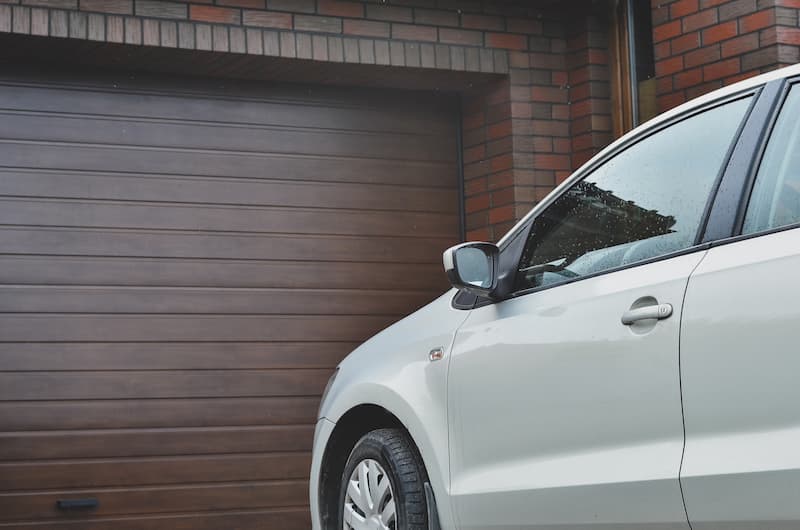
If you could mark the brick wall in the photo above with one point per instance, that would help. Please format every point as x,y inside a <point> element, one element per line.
<point>522,133</point>
<point>702,45</point>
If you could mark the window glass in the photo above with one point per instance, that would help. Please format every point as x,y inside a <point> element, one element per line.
<point>775,200</point>
<point>647,201</point>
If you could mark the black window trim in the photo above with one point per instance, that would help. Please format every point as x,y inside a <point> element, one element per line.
<point>753,112</point>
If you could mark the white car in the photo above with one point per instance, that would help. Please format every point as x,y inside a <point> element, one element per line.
<point>627,357</point>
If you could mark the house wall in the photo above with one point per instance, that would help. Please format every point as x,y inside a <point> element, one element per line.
<point>702,45</point>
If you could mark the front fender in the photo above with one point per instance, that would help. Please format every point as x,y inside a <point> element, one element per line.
<point>393,371</point>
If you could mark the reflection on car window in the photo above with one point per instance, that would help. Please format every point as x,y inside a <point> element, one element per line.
<point>775,200</point>
<point>645,202</point>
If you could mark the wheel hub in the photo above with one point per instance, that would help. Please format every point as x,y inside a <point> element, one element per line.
<point>369,499</point>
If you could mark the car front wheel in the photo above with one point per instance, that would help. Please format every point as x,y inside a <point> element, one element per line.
<point>383,484</point>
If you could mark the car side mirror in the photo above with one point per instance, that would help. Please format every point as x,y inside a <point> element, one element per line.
<point>472,267</point>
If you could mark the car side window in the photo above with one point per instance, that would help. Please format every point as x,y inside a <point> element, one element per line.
<point>647,201</point>
<point>775,200</point>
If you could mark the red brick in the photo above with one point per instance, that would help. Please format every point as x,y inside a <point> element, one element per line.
<point>502,197</point>
<point>543,161</point>
<point>721,69</point>
<point>757,21</point>
<point>500,130</point>
<point>681,8</point>
<point>740,45</point>
<point>460,36</point>
<point>723,31</point>
<point>480,234</point>
<point>712,3</point>
<point>788,3</point>
<point>669,66</point>
<point>501,214</point>
<point>473,121</point>
<point>528,26</point>
<point>435,17</point>
<point>477,203</point>
<point>267,19</point>
<point>661,50</point>
<point>705,55</point>
<point>338,8</point>
<point>473,154</point>
<point>685,43</point>
<point>412,32</point>
<point>252,4</point>
<point>366,28</point>
<point>499,163</point>
<point>688,78</point>
<point>667,31</point>
<point>552,94</point>
<point>508,41</point>
<point>699,20</point>
<point>222,15</point>
<point>484,22</point>
<point>475,186</point>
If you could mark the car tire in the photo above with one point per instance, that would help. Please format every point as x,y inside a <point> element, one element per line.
<point>380,456</point>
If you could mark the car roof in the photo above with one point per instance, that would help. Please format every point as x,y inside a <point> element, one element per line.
<point>740,86</point>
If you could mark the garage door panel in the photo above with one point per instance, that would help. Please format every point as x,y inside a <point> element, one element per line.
<point>152,413</point>
<point>115,472</point>
<point>161,384</point>
<point>42,299</point>
<point>285,519</point>
<point>154,442</point>
<point>225,191</point>
<point>160,499</point>
<point>96,214</point>
<point>221,138</point>
<point>48,356</point>
<point>407,115</point>
<point>140,243</point>
<point>98,270</point>
<point>183,262</point>
<point>152,160</point>
<point>123,328</point>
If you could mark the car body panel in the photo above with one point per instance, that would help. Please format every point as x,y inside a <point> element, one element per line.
<point>739,366</point>
<point>561,416</point>
<point>393,370</point>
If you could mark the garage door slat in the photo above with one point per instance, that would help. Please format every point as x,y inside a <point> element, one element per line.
<point>40,299</point>
<point>154,442</point>
<point>153,413</point>
<point>54,356</point>
<point>152,471</point>
<point>100,270</point>
<point>84,214</point>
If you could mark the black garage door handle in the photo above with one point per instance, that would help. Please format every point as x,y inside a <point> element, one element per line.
<point>76,504</point>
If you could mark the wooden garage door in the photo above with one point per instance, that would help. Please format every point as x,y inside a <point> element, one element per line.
<point>182,265</point>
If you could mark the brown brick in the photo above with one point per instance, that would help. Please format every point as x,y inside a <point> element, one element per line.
<point>501,214</point>
<point>267,19</point>
<point>366,28</point>
<point>315,23</point>
<point>669,66</point>
<point>119,7</point>
<point>704,55</point>
<point>435,17</point>
<point>250,4</point>
<point>721,69</point>
<point>699,20</point>
<point>681,8</point>
<point>296,6</point>
<point>551,94</point>
<point>389,13</point>
<point>412,32</point>
<point>223,15</point>
<point>482,22</point>
<point>740,45</point>
<point>757,21</point>
<point>789,36</point>
<point>688,78</point>
<point>684,43</point>
<point>159,9</point>
<point>667,31</point>
<point>719,32</point>
<point>460,36</point>
<point>507,41</point>
<point>736,8</point>
<point>339,8</point>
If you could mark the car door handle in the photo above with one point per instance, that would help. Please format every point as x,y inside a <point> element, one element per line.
<point>658,311</point>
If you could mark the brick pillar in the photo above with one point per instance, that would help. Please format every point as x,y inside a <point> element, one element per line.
<point>702,45</point>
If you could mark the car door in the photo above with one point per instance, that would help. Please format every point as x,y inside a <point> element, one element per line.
<point>561,415</point>
<point>740,355</point>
